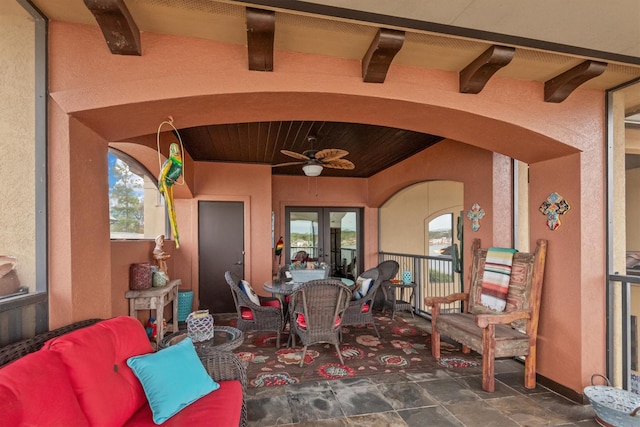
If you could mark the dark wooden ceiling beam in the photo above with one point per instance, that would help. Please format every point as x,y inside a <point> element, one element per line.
<point>261,28</point>
<point>560,87</point>
<point>475,76</point>
<point>384,47</point>
<point>118,27</point>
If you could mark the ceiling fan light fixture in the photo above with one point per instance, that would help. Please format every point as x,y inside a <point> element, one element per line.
<point>312,170</point>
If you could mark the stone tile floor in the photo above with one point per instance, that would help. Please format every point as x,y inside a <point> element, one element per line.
<point>439,397</point>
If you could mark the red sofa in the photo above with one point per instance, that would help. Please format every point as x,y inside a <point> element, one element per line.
<point>81,378</point>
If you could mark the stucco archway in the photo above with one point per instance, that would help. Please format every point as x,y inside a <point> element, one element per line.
<point>97,98</point>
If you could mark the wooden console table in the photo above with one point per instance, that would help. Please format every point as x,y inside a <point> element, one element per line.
<point>156,299</point>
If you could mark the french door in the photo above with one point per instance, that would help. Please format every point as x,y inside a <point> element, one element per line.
<point>328,235</point>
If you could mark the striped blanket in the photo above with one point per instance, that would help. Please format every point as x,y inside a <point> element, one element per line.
<point>495,278</point>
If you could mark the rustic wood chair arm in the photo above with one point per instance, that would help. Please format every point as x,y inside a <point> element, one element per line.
<point>431,301</point>
<point>484,320</point>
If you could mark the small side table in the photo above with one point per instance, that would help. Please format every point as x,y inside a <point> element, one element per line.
<point>225,338</point>
<point>156,299</point>
<point>402,303</point>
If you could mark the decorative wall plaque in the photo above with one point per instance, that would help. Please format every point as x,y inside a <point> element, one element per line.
<point>475,215</point>
<point>552,208</point>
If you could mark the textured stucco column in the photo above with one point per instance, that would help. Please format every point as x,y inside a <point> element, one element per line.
<point>573,296</point>
<point>79,242</point>
<point>502,201</point>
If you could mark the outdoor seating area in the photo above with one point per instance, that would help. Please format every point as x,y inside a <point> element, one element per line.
<point>405,365</point>
<point>339,213</point>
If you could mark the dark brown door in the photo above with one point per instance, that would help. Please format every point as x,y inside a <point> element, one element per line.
<point>221,248</point>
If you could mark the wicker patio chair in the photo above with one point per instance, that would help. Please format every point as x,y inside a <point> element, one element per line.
<point>388,270</point>
<point>227,366</point>
<point>268,316</point>
<point>360,311</point>
<point>316,309</point>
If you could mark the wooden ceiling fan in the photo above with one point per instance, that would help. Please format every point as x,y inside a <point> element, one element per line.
<point>315,160</point>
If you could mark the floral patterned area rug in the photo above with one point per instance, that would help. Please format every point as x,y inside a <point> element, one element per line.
<point>403,346</point>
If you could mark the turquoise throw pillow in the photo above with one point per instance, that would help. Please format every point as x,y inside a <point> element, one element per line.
<point>172,379</point>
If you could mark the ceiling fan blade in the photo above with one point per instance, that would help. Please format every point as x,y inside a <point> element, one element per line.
<point>288,164</point>
<point>339,164</point>
<point>295,155</point>
<point>330,154</point>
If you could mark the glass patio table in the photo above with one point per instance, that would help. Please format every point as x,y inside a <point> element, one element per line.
<point>225,338</point>
<point>279,288</point>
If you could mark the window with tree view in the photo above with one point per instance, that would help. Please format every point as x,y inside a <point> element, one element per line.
<point>136,209</point>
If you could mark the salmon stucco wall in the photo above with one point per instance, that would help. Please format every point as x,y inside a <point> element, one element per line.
<point>574,292</point>
<point>451,161</point>
<point>123,254</point>
<point>79,249</point>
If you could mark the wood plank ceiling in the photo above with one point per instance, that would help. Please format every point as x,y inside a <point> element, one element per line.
<point>368,145</point>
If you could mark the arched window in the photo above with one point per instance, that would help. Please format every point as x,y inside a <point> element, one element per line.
<point>136,209</point>
<point>441,235</point>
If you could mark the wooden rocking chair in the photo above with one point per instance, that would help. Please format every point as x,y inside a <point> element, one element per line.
<point>509,333</point>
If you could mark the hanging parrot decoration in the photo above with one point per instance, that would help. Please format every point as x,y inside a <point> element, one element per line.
<point>169,174</point>
<point>279,247</point>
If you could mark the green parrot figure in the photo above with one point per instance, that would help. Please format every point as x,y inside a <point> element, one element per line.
<point>169,175</point>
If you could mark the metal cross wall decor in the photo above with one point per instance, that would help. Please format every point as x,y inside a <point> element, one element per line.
<point>553,207</point>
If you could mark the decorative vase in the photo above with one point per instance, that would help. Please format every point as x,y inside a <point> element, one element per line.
<point>407,277</point>
<point>160,279</point>
<point>140,276</point>
<point>200,325</point>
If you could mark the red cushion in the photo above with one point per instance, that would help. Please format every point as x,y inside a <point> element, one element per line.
<point>220,408</point>
<point>35,391</point>
<point>271,303</point>
<point>10,407</point>
<point>246,313</point>
<point>302,322</point>
<point>365,308</point>
<point>95,357</point>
